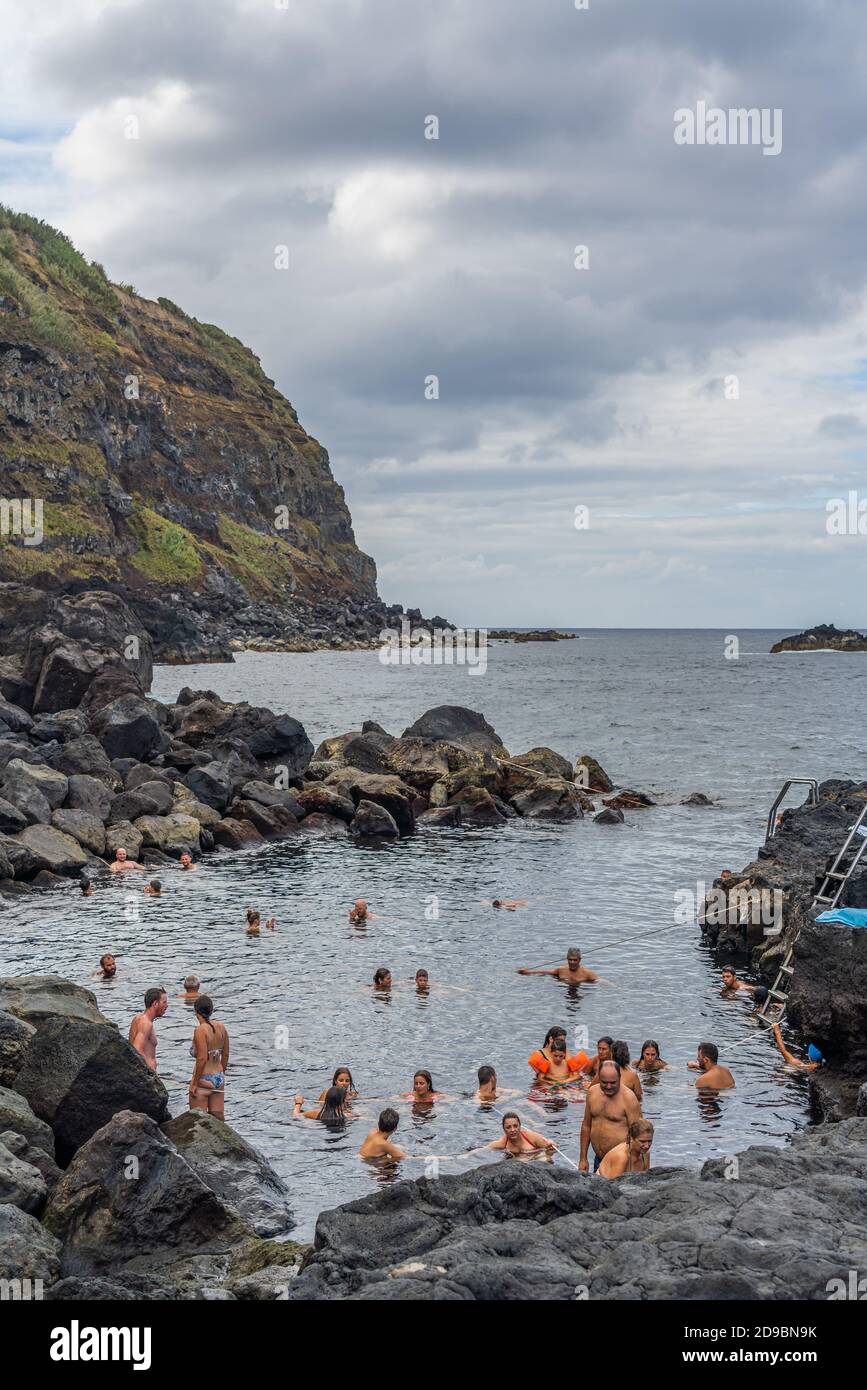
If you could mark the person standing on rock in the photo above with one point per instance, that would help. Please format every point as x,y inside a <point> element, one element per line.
<point>122,861</point>
<point>609,1111</point>
<point>210,1048</point>
<point>631,1157</point>
<point>713,1077</point>
<point>142,1034</point>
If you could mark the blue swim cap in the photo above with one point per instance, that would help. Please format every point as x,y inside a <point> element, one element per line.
<point>814,1054</point>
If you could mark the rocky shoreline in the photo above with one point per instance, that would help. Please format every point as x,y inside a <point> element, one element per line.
<point>824,638</point>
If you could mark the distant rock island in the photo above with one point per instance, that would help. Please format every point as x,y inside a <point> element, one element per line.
<point>823,638</point>
<point>544,634</point>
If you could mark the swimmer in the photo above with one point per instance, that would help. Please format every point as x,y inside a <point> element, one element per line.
<point>192,985</point>
<point>382,979</point>
<point>731,984</point>
<point>142,1034</point>
<point>815,1056</point>
<point>572,973</point>
<point>487,1091</point>
<point>631,1157</point>
<point>508,903</point>
<point>254,922</point>
<point>714,1077</point>
<point>760,997</point>
<point>210,1048</point>
<point>271,924</point>
<point>650,1060</point>
<point>342,1078</point>
<point>541,1060</point>
<point>610,1109</point>
<point>122,861</point>
<point>331,1112</point>
<point>86,887</point>
<point>603,1054</point>
<point>186,862</point>
<point>628,1077</point>
<point>562,1070</point>
<point>154,888</point>
<point>517,1141</point>
<point>378,1143</point>
<point>422,982</point>
<point>107,968</point>
<point>361,913</point>
<point>423,1091</point>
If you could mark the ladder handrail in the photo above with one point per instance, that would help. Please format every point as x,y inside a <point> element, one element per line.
<point>812,800</point>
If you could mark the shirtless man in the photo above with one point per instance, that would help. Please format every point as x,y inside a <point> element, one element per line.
<point>631,1157</point>
<point>713,1076</point>
<point>572,973</point>
<point>361,913</point>
<point>517,1141</point>
<point>815,1056</point>
<point>122,861</point>
<point>487,1092</point>
<point>192,989</point>
<point>142,1034</point>
<point>378,1142</point>
<point>509,903</point>
<point>609,1111</point>
<point>731,984</point>
<point>107,968</point>
<point>186,862</point>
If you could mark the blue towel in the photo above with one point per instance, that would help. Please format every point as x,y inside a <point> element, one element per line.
<point>849,916</point>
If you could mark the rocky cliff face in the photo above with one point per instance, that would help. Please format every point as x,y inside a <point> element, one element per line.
<point>168,466</point>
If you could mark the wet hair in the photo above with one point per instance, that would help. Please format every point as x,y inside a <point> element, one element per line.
<point>338,1071</point>
<point>155,883</point>
<point>609,1062</point>
<point>332,1108</point>
<point>498,902</point>
<point>710,1051</point>
<point>620,1053</point>
<point>204,1005</point>
<point>152,996</point>
<point>192,982</point>
<point>84,883</point>
<point>558,1045</point>
<point>186,852</point>
<point>760,994</point>
<point>103,959</point>
<point>553,1033</point>
<point>573,951</point>
<point>641,1126</point>
<point>609,1042</point>
<point>510,1115</point>
<point>650,1042</point>
<point>427,1076</point>
<point>729,970</point>
<point>486,1074</point>
<point>380,975</point>
<point>253,916</point>
<point>424,972</point>
<point>388,1120</point>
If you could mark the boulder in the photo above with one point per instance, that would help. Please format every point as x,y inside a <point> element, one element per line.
<point>210,784</point>
<point>696,799</point>
<point>89,794</point>
<point>17,857</point>
<point>160,793</point>
<point>20,1183</point>
<point>386,791</point>
<point>15,1036</point>
<point>477,807</point>
<point>455,724</point>
<point>267,795</point>
<point>552,799</point>
<point>273,822</point>
<point>628,800</point>
<point>128,728</point>
<point>176,833</point>
<point>546,762</point>
<point>609,817</point>
<point>16,719</point>
<point>47,879</point>
<point>11,819</point>
<point>591,776</point>
<point>38,1158</point>
<point>373,822</point>
<point>23,793</point>
<point>65,674</point>
<point>285,742</point>
<point>331,749</point>
<point>184,805</point>
<point>365,754</point>
<point>88,830</point>
<point>55,851</point>
<point>17,1116</point>
<point>234,1171</point>
<point>85,757</point>
<point>327,801</point>
<point>445,817</point>
<point>16,748</point>
<point>122,835</point>
<point>131,805</point>
<point>110,1221</point>
<point>320,824</point>
<point>420,762</point>
<point>27,1250</point>
<point>828,992</point>
<point>236,834</point>
<point>60,727</point>
<point>136,775</point>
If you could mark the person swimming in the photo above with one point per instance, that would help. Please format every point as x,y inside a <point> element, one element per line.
<point>192,985</point>
<point>628,1077</point>
<point>632,1156</point>
<point>508,903</point>
<point>154,888</point>
<point>342,1078</point>
<point>650,1059</point>
<point>562,1069</point>
<point>541,1059</point>
<point>86,886</point>
<point>186,862</point>
<point>332,1112</point>
<point>572,973</point>
<point>254,922</point>
<point>422,982</point>
<point>377,1143</point>
<point>360,913</point>
<point>382,979</point>
<point>713,1076</point>
<point>423,1091</point>
<point>518,1141</point>
<point>107,967</point>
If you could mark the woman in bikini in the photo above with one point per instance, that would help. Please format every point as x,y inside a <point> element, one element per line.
<point>210,1048</point>
<point>343,1078</point>
<point>650,1060</point>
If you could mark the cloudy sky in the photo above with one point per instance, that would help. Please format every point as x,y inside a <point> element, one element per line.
<point>699,387</point>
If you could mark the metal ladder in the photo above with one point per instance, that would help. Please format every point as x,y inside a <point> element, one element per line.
<point>828,896</point>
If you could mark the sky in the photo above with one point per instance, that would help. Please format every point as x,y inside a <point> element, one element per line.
<point>645,433</point>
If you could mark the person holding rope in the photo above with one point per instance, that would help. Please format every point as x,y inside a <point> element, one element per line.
<point>633,1156</point>
<point>572,973</point>
<point>518,1142</point>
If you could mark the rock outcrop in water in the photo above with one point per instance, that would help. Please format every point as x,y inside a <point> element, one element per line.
<point>788,1222</point>
<point>825,637</point>
<point>166,467</point>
